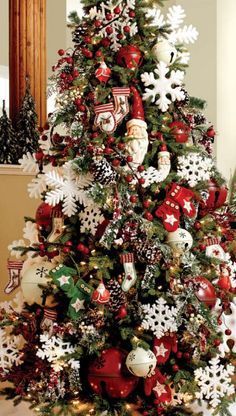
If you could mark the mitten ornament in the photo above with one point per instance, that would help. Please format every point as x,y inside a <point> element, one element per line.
<point>169,213</point>
<point>14,269</point>
<point>105,118</point>
<point>130,272</point>
<point>163,346</point>
<point>157,384</point>
<point>183,197</point>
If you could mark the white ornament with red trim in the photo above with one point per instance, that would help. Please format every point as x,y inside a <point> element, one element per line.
<point>141,362</point>
<point>14,270</point>
<point>120,95</point>
<point>130,278</point>
<point>213,249</point>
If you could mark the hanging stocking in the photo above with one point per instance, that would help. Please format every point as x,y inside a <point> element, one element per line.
<point>130,272</point>
<point>105,118</point>
<point>14,269</point>
<point>49,317</point>
<point>169,212</point>
<point>57,228</point>
<point>214,248</point>
<point>183,197</point>
<point>120,95</point>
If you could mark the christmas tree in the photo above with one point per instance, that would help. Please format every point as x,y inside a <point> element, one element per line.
<point>26,124</point>
<point>8,140</point>
<point>128,269</point>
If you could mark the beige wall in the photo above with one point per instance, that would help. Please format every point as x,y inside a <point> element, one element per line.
<point>14,205</point>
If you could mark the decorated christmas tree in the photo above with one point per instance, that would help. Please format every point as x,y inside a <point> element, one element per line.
<point>127,270</point>
<point>9,149</point>
<point>26,124</point>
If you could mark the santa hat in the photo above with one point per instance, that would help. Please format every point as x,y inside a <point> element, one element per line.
<point>137,112</point>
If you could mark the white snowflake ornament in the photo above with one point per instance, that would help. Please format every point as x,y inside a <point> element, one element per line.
<point>118,21</point>
<point>68,188</point>
<point>214,381</point>
<point>29,164</point>
<point>194,168</point>
<point>9,351</point>
<point>159,318</point>
<point>53,349</point>
<point>166,86</point>
<point>90,218</point>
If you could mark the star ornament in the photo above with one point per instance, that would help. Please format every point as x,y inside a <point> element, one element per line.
<point>64,280</point>
<point>187,206</point>
<point>170,219</point>
<point>78,305</point>
<point>160,350</point>
<point>159,389</point>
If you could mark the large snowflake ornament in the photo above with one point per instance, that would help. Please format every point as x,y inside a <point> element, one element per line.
<point>214,381</point>
<point>9,351</point>
<point>68,188</point>
<point>194,168</point>
<point>53,349</point>
<point>159,318</point>
<point>166,86</point>
<point>118,21</point>
<point>29,164</point>
<point>90,218</point>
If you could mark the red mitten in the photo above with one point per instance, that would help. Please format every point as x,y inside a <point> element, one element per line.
<point>157,384</point>
<point>169,212</point>
<point>162,347</point>
<point>183,196</point>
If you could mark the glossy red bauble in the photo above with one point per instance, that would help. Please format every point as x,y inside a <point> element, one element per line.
<point>129,56</point>
<point>204,290</point>
<point>224,282</point>
<point>107,375</point>
<point>217,196</point>
<point>180,131</point>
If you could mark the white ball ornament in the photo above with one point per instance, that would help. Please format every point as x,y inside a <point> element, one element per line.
<point>141,362</point>
<point>180,239</point>
<point>35,275</point>
<point>164,51</point>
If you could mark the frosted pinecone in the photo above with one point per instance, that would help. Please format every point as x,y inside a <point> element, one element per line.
<point>117,296</point>
<point>199,118</point>
<point>148,252</point>
<point>103,172</point>
<point>185,101</point>
<point>78,33</point>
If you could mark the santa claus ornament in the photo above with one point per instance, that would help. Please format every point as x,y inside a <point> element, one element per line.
<point>137,131</point>
<point>164,51</point>
<point>101,295</point>
<point>103,73</point>
<point>141,362</point>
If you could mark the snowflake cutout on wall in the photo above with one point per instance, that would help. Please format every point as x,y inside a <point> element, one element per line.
<point>194,168</point>
<point>9,351</point>
<point>214,381</point>
<point>90,218</point>
<point>166,88</point>
<point>159,318</point>
<point>53,349</point>
<point>117,22</point>
<point>68,188</point>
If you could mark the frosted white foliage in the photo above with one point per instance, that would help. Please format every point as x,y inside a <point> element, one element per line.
<point>68,188</point>
<point>14,305</point>
<point>30,232</point>
<point>159,318</point>
<point>9,351</point>
<point>37,186</point>
<point>13,245</point>
<point>214,381</point>
<point>194,168</point>
<point>157,16</point>
<point>53,349</point>
<point>90,218</point>
<point>175,16</point>
<point>163,84</point>
<point>117,24</point>
<point>188,34</point>
<point>28,164</point>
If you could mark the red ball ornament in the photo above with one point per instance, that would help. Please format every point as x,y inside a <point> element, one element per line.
<point>131,13</point>
<point>107,375</point>
<point>129,56</point>
<point>205,291</point>
<point>115,163</point>
<point>180,131</point>
<point>126,29</point>
<point>109,30</point>
<point>61,52</point>
<point>211,132</point>
<point>224,282</point>
<point>122,312</point>
<point>129,178</point>
<point>148,216</point>
<point>133,199</point>
<point>217,196</point>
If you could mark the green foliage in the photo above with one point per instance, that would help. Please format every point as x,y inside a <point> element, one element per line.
<point>10,151</point>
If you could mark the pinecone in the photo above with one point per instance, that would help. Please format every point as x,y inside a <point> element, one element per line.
<point>185,101</point>
<point>199,118</point>
<point>103,172</point>
<point>78,33</point>
<point>148,252</point>
<point>117,296</point>
<point>92,317</point>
